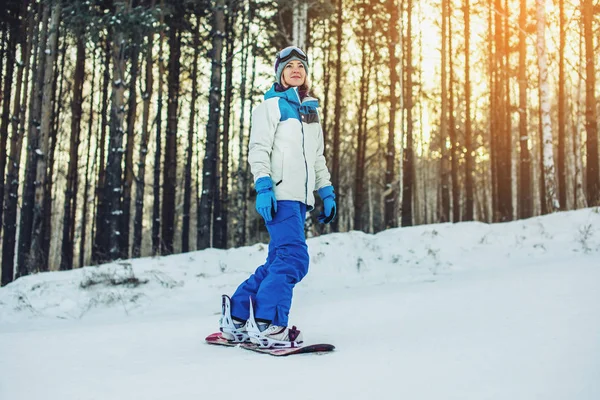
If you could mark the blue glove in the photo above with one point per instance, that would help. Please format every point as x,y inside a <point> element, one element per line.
<point>266,203</point>
<point>329,208</point>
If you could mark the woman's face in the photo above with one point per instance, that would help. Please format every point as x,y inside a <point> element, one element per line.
<point>293,74</point>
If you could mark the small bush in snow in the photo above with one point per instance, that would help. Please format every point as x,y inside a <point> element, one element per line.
<point>585,233</point>
<point>124,277</point>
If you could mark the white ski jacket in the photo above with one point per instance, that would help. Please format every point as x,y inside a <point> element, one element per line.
<point>286,143</point>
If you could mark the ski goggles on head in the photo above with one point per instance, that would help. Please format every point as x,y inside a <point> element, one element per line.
<point>289,52</point>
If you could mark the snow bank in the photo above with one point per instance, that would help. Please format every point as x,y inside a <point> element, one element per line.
<point>353,259</point>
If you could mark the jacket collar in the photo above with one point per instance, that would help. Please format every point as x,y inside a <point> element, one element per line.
<point>291,95</point>
<point>307,106</point>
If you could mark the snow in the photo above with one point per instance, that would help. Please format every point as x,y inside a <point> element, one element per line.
<point>449,311</point>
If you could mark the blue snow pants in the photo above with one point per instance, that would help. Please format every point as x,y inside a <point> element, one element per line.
<point>272,284</point>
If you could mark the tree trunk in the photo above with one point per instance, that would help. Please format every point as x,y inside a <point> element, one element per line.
<point>26,217</point>
<point>54,145</point>
<point>187,194</point>
<point>66,261</point>
<point>361,137</point>
<point>335,157</point>
<point>18,132</point>
<point>408,163</point>
<point>551,195</point>
<point>55,111</point>
<point>525,189</point>
<point>36,260</point>
<point>247,172</point>
<point>390,196</point>
<point>131,125</point>
<point>542,172</point>
<point>492,144</point>
<point>591,122</point>
<point>170,161</point>
<point>100,247</point>
<point>326,81</point>
<point>3,41</point>
<point>141,176</point>
<point>114,183</point>
<point>507,120</point>
<point>562,124</point>
<point>86,191</point>
<point>209,165</point>
<point>156,220</point>
<point>500,129</point>
<point>444,167</point>
<point>10,55</point>
<point>300,22</point>
<point>579,198</point>
<point>220,214</point>
<point>242,179</point>
<point>452,134</point>
<point>421,169</point>
<point>469,150</point>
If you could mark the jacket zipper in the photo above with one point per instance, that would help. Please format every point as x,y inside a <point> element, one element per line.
<point>303,152</point>
<point>305,163</point>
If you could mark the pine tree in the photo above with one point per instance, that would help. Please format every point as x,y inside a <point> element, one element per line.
<point>87,182</point>
<point>408,175</point>
<point>27,36</point>
<point>209,165</point>
<point>469,165</point>
<point>391,192</point>
<point>337,122</point>
<point>170,157</point>
<point>140,186</point>
<point>591,121</point>
<point>13,30</point>
<point>70,205</point>
<point>525,189</point>
<point>100,246</point>
<point>187,195</point>
<point>134,52</point>
<point>114,183</point>
<point>36,260</point>
<point>551,195</point>
<point>156,216</point>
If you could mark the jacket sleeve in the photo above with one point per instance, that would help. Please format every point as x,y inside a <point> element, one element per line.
<point>265,118</point>
<point>322,176</point>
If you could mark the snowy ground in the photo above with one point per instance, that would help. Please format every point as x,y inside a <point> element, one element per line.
<point>464,311</point>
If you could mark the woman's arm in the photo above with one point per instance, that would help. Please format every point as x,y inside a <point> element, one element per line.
<point>265,118</point>
<point>322,175</point>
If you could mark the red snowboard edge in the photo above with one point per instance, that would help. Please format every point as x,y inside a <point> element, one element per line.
<point>216,338</point>
<point>311,348</point>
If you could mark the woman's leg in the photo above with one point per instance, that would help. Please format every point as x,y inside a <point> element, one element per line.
<point>288,265</point>
<point>240,301</point>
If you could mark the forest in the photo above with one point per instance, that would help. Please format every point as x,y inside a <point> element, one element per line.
<point>125,123</point>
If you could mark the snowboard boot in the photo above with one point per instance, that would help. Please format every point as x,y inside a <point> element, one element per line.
<point>266,335</point>
<point>232,329</point>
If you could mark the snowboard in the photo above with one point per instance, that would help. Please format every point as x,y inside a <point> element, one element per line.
<point>217,339</point>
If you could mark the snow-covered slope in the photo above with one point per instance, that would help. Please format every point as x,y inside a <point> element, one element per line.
<point>463,311</point>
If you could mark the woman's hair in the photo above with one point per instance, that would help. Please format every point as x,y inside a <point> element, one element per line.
<point>304,88</point>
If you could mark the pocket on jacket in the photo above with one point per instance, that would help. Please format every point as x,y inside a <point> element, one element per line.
<point>310,118</point>
<point>277,158</point>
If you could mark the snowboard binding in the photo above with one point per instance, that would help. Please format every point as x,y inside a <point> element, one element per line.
<point>271,336</point>
<point>234,333</point>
